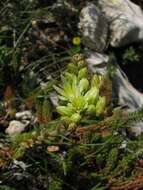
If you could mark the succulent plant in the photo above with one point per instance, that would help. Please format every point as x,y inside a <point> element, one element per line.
<point>79,94</point>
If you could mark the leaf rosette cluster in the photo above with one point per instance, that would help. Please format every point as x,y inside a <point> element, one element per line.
<point>79,93</point>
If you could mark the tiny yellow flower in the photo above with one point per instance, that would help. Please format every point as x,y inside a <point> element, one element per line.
<point>76,41</point>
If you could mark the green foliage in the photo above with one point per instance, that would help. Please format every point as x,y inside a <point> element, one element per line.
<point>112,159</point>
<point>88,162</point>
<point>78,96</point>
<point>14,24</point>
<point>45,133</point>
<point>98,188</point>
<point>111,66</point>
<point>27,64</point>
<point>130,56</point>
<point>4,187</point>
<point>55,184</point>
<point>95,154</point>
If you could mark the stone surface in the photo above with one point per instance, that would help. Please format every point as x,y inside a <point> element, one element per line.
<point>123,90</point>
<point>136,129</point>
<point>54,99</point>
<point>15,127</point>
<point>23,115</point>
<point>125,21</point>
<point>97,62</point>
<point>94,28</point>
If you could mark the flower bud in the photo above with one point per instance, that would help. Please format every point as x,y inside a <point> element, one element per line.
<point>76,117</point>
<point>91,109</point>
<point>92,95</point>
<point>69,77</point>
<point>65,110</point>
<point>71,68</point>
<point>95,81</point>
<point>100,106</point>
<point>79,103</point>
<point>83,85</point>
<point>83,73</point>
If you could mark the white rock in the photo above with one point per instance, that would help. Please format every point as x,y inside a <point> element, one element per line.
<point>97,62</point>
<point>125,21</point>
<point>136,129</point>
<point>54,98</point>
<point>123,145</point>
<point>24,115</point>
<point>94,28</point>
<point>15,127</point>
<point>123,90</point>
<point>17,164</point>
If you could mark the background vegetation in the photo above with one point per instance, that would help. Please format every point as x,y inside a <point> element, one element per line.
<point>39,44</point>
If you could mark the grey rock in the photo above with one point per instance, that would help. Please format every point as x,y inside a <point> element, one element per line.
<point>19,176</point>
<point>54,99</point>
<point>15,127</point>
<point>19,164</point>
<point>125,21</point>
<point>123,90</point>
<point>24,115</point>
<point>123,145</point>
<point>94,28</point>
<point>136,129</point>
<point>97,62</point>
